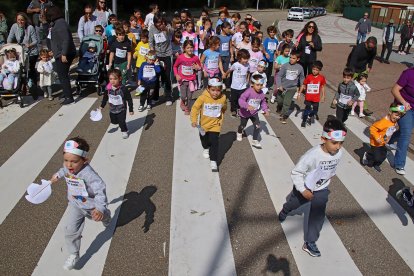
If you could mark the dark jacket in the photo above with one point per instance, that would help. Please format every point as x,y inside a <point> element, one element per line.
<point>346,91</point>
<point>360,57</point>
<point>406,32</point>
<point>309,58</point>
<point>61,39</point>
<point>363,26</point>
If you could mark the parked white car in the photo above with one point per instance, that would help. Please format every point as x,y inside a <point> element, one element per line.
<point>295,13</point>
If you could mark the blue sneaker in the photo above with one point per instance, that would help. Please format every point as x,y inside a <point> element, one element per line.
<point>311,248</point>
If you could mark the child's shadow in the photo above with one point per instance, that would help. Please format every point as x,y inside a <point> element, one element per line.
<point>136,124</point>
<point>226,141</point>
<point>134,205</point>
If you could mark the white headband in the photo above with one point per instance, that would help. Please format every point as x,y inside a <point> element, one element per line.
<point>214,82</point>
<point>259,81</point>
<point>262,63</point>
<point>72,147</point>
<point>336,135</point>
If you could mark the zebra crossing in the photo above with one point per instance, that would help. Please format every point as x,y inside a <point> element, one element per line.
<point>195,217</point>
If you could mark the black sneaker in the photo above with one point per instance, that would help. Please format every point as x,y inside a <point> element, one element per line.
<point>67,101</point>
<point>282,216</point>
<point>317,117</point>
<point>377,168</point>
<point>303,124</point>
<point>368,112</point>
<point>234,114</point>
<point>311,248</point>
<point>309,121</point>
<point>406,196</point>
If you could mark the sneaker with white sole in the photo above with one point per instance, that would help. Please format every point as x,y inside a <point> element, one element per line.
<point>168,103</point>
<point>256,144</point>
<point>391,146</point>
<point>400,171</point>
<point>273,99</point>
<point>213,166</point>
<point>141,108</point>
<point>364,159</point>
<point>71,261</point>
<point>361,115</point>
<point>206,153</point>
<point>239,136</point>
<point>125,134</point>
<point>149,107</point>
<point>311,249</point>
<point>352,113</point>
<point>406,196</point>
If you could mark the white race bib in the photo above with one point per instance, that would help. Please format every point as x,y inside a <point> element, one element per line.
<point>225,47</point>
<point>143,51</point>
<point>291,75</point>
<point>307,50</point>
<point>76,187</point>
<point>187,70</point>
<point>254,103</point>
<point>136,36</point>
<point>390,131</point>
<point>113,32</point>
<point>312,88</point>
<point>212,110</point>
<point>49,35</point>
<point>344,99</point>
<point>159,38</point>
<point>271,46</point>
<point>115,99</point>
<point>48,67</point>
<point>319,176</point>
<point>212,64</point>
<point>238,74</point>
<point>149,72</point>
<point>254,61</point>
<point>120,53</point>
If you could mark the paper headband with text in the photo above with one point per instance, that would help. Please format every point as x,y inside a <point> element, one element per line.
<point>259,81</point>
<point>72,147</point>
<point>262,63</point>
<point>214,82</point>
<point>398,108</point>
<point>335,135</point>
<point>151,57</point>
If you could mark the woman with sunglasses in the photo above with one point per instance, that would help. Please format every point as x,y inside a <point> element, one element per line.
<point>87,23</point>
<point>309,43</point>
<point>102,13</point>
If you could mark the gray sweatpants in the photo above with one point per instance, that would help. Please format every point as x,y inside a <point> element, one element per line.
<point>284,100</point>
<point>316,213</point>
<point>74,226</point>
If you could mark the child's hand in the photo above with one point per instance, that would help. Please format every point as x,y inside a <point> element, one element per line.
<point>386,140</point>
<point>280,88</point>
<point>96,215</point>
<point>251,108</point>
<point>267,56</point>
<point>135,55</point>
<point>178,77</point>
<point>267,113</point>
<point>131,113</point>
<point>193,124</point>
<point>334,101</point>
<point>350,103</point>
<point>196,66</point>
<point>54,178</point>
<point>307,194</point>
<point>379,140</point>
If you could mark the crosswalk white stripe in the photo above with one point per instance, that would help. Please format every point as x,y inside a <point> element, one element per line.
<point>199,238</point>
<point>113,161</point>
<point>275,165</point>
<point>370,195</point>
<point>28,161</point>
<point>11,113</point>
<point>359,129</point>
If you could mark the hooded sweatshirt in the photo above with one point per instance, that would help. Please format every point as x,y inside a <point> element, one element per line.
<point>345,93</point>
<point>211,111</point>
<point>252,98</point>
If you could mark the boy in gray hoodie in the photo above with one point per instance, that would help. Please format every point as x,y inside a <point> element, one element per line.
<point>346,95</point>
<point>289,78</point>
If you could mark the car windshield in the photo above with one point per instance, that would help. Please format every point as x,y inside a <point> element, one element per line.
<point>305,10</point>
<point>295,10</point>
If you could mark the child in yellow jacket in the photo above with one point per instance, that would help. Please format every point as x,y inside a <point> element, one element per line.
<point>380,133</point>
<point>209,110</point>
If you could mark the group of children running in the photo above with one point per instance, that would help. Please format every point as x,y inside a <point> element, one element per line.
<point>235,56</point>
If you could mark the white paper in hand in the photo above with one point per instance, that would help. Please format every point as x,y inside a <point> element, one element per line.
<point>265,90</point>
<point>96,115</point>
<point>37,194</point>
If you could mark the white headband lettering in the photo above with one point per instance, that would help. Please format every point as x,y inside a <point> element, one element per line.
<point>72,147</point>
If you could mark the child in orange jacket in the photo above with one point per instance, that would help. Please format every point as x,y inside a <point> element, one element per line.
<point>380,133</point>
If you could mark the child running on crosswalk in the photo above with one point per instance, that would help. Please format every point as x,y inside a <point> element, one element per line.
<point>209,110</point>
<point>86,195</point>
<point>311,178</point>
<point>118,96</point>
<point>251,101</point>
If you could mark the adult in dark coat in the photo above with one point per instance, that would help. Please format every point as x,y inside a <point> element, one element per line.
<point>309,44</point>
<point>407,33</point>
<point>63,48</point>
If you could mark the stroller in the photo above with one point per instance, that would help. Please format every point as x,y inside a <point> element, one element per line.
<point>22,76</point>
<point>97,74</point>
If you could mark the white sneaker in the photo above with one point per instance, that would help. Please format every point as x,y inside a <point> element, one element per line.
<point>391,146</point>
<point>273,99</point>
<point>125,135</point>
<point>71,262</point>
<point>149,107</point>
<point>168,103</point>
<point>361,115</point>
<point>352,113</point>
<point>140,108</point>
<point>239,136</point>
<point>364,159</point>
<point>213,166</point>
<point>403,53</point>
<point>45,95</point>
<point>206,153</point>
<point>256,144</point>
<point>400,171</point>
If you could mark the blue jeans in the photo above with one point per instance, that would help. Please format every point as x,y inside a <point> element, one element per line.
<point>403,137</point>
<point>361,37</point>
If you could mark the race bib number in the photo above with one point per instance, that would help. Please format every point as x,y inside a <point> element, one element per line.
<point>291,75</point>
<point>254,103</point>
<point>254,61</point>
<point>187,70</point>
<point>319,176</point>
<point>312,88</point>
<point>115,99</point>
<point>120,53</point>
<point>238,74</point>
<point>212,64</point>
<point>271,46</point>
<point>390,131</point>
<point>344,99</point>
<point>136,36</point>
<point>159,38</point>
<point>76,187</point>
<point>225,47</point>
<point>149,72</point>
<point>307,50</point>
<point>143,51</point>
<point>212,110</point>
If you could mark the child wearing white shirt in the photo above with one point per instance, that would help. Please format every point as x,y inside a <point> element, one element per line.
<point>45,68</point>
<point>9,70</point>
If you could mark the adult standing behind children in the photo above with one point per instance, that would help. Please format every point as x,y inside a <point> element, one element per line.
<point>363,28</point>
<point>388,36</point>
<point>309,43</point>
<point>403,92</point>
<point>102,13</point>
<point>87,23</point>
<point>149,18</point>
<point>63,48</point>
<point>407,32</point>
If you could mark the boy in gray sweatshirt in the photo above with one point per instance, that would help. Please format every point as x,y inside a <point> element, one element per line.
<point>289,78</point>
<point>345,96</point>
<point>86,195</point>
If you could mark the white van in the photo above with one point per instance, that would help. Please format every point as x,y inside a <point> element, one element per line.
<point>295,13</point>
